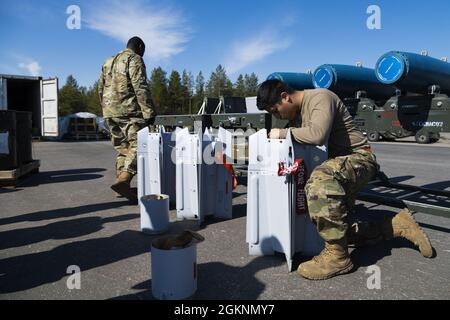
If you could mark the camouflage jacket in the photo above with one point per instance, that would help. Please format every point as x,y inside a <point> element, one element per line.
<point>123,87</point>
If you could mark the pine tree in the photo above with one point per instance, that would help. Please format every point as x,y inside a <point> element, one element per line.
<point>71,97</point>
<point>93,102</point>
<point>71,82</point>
<point>175,93</point>
<point>239,87</point>
<point>219,84</point>
<point>200,84</point>
<point>187,83</point>
<point>251,84</point>
<point>199,92</point>
<point>158,89</point>
<point>228,89</point>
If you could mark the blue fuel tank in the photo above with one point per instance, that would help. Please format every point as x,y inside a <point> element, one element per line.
<point>345,81</point>
<point>413,72</point>
<point>297,81</point>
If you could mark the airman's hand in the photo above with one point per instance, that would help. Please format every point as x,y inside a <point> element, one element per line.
<point>277,134</point>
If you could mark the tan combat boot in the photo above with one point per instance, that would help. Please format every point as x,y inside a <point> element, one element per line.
<point>332,261</point>
<point>122,186</point>
<point>403,225</point>
<point>118,195</point>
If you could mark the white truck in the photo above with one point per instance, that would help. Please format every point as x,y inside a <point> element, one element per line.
<point>32,94</point>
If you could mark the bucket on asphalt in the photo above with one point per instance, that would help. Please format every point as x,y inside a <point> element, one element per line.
<point>155,213</point>
<point>174,266</point>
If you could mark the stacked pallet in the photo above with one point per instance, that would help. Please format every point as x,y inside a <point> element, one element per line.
<point>16,158</point>
<point>84,129</point>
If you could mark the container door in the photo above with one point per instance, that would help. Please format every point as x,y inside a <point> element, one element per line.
<point>3,94</point>
<point>49,107</point>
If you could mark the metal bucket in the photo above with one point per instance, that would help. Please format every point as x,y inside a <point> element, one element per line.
<point>155,213</point>
<point>174,271</point>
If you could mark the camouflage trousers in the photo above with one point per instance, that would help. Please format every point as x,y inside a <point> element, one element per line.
<point>332,189</point>
<point>124,139</point>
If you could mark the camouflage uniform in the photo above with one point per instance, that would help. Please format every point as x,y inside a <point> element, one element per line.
<point>127,104</point>
<point>331,193</point>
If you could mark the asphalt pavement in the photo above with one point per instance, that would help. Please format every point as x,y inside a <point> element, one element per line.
<point>67,215</point>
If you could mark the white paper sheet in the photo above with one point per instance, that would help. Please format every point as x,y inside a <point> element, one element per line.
<point>4,145</point>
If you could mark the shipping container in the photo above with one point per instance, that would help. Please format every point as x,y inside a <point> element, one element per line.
<point>8,140</point>
<point>32,94</point>
<point>24,140</point>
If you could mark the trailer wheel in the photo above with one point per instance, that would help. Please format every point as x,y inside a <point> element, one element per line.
<point>388,137</point>
<point>436,137</point>
<point>373,136</point>
<point>423,137</point>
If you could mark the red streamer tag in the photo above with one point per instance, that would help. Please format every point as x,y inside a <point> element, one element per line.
<point>229,167</point>
<point>298,170</point>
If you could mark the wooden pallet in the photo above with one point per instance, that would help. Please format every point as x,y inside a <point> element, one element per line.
<point>12,177</point>
<point>83,126</point>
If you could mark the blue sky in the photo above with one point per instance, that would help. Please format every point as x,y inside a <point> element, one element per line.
<point>245,36</point>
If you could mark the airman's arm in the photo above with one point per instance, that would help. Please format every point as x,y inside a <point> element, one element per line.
<point>138,78</point>
<point>318,130</point>
<point>101,83</point>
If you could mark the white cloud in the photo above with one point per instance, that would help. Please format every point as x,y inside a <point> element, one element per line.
<point>253,50</point>
<point>33,67</point>
<point>164,30</point>
<point>259,46</point>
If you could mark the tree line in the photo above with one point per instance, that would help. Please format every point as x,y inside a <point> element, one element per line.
<point>173,94</point>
